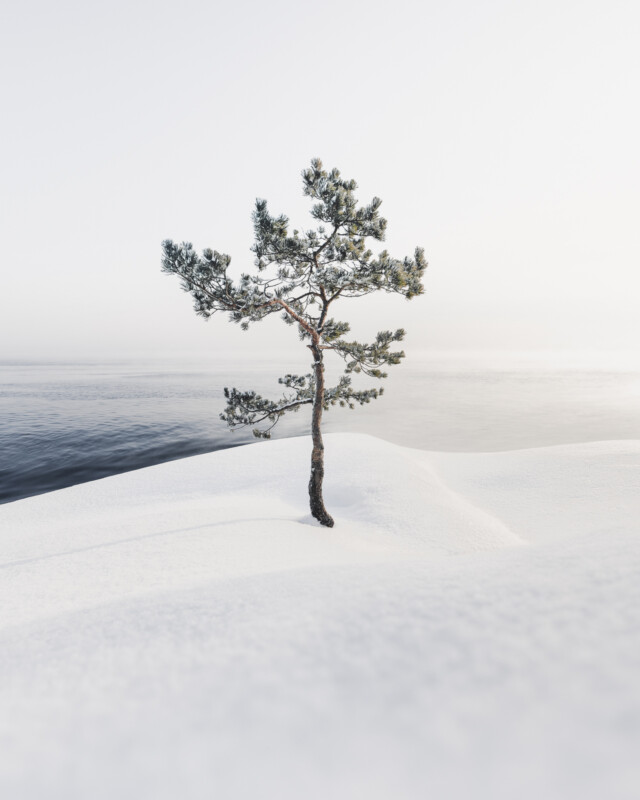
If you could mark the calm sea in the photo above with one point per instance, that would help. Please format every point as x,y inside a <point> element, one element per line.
<point>62,424</point>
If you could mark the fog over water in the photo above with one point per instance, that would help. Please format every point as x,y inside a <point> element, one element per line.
<point>62,424</point>
<point>502,137</point>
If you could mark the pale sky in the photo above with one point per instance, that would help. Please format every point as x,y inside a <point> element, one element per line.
<point>501,136</point>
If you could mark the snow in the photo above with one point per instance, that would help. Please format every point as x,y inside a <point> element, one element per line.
<point>470,628</point>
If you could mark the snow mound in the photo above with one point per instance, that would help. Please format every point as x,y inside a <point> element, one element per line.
<point>189,631</point>
<point>389,494</point>
<point>236,512</point>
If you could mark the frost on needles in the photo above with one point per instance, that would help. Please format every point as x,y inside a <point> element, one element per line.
<point>301,275</point>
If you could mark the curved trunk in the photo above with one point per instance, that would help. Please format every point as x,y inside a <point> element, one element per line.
<point>317,454</point>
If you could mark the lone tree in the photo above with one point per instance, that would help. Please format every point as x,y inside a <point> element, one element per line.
<point>301,275</point>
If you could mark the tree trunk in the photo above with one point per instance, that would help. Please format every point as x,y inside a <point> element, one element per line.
<point>317,454</point>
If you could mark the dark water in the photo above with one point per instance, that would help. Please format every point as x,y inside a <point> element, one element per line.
<point>62,424</point>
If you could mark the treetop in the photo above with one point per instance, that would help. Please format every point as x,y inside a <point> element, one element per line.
<point>300,272</point>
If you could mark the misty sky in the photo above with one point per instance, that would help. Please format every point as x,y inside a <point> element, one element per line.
<point>501,136</point>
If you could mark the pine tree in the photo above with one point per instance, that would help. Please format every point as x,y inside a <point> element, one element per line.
<point>302,275</point>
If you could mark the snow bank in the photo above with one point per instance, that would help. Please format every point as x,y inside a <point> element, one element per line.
<point>469,628</point>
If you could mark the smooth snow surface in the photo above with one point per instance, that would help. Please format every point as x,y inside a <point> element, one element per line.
<point>470,628</point>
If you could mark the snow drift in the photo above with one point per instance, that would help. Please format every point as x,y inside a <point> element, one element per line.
<point>470,627</point>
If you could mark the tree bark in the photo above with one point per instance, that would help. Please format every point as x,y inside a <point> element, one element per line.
<point>317,454</point>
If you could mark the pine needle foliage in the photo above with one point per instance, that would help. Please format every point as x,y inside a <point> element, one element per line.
<point>301,275</point>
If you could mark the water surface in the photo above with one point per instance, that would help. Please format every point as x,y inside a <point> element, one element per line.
<point>62,424</point>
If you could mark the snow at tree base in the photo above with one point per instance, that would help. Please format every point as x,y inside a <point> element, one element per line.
<point>470,628</point>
